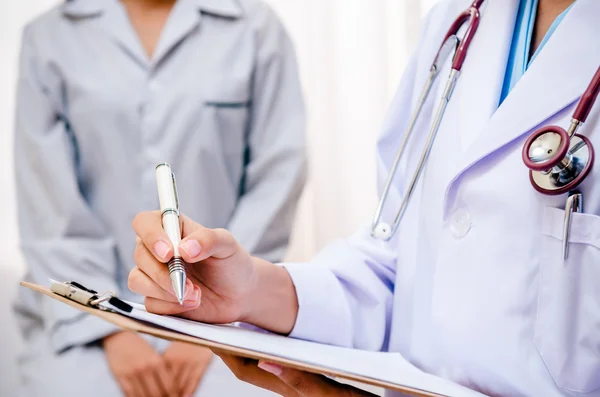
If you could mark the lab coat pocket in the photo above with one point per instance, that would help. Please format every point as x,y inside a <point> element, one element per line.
<point>567,332</point>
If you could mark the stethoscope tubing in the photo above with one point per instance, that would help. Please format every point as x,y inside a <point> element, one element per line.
<point>460,48</point>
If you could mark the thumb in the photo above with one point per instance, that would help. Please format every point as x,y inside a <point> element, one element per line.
<point>309,385</point>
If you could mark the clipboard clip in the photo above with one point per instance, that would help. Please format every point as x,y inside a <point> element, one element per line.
<point>79,293</point>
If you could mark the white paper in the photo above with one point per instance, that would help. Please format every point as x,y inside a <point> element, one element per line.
<point>387,367</point>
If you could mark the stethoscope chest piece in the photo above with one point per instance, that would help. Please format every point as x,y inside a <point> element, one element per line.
<point>557,163</point>
<point>559,160</point>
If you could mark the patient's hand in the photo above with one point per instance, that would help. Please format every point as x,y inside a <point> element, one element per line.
<point>187,363</point>
<point>137,367</point>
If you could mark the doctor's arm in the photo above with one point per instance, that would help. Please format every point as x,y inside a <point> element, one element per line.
<point>60,237</point>
<point>276,162</point>
<point>345,294</point>
<point>228,284</point>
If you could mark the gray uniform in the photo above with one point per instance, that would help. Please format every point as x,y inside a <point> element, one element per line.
<point>220,101</point>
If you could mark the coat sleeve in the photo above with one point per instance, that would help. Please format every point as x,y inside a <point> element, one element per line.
<point>60,237</point>
<point>345,293</point>
<point>276,160</point>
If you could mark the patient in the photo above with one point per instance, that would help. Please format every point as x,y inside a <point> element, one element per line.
<point>108,90</point>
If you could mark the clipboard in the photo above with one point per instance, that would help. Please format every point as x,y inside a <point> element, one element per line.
<point>88,301</point>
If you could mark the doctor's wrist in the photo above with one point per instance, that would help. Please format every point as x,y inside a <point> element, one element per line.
<point>272,303</point>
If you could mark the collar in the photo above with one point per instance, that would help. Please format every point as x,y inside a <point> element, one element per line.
<point>84,8</point>
<point>90,8</point>
<point>222,8</point>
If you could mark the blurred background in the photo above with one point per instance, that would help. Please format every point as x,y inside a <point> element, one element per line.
<point>352,54</point>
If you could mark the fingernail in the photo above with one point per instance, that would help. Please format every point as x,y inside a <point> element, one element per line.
<point>161,249</point>
<point>193,300</point>
<point>271,368</point>
<point>191,247</point>
<point>191,304</point>
<point>189,292</point>
<point>189,288</point>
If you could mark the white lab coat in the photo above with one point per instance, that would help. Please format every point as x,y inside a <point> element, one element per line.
<point>473,288</point>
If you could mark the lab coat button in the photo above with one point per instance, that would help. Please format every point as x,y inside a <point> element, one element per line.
<point>460,223</point>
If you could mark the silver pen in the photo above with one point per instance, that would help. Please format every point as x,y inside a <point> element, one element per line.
<point>574,204</point>
<point>169,208</point>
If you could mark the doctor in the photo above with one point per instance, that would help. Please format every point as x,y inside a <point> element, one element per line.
<point>473,286</point>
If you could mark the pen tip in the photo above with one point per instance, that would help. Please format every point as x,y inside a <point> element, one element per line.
<point>178,281</point>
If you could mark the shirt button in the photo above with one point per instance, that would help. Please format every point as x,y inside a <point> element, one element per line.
<point>460,223</point>
<point>154,87</point>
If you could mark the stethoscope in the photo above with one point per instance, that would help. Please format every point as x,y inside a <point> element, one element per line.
<point>558,160</point>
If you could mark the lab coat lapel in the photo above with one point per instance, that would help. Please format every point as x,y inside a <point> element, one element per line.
<point>480,83</point>
<point>558,77</point>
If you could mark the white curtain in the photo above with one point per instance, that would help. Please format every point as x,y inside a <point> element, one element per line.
<point>352,54</point>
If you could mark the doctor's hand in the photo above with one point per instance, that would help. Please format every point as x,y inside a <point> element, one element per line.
<point>187,363</point>
<point>287,382</point>
<point>224,283</point>
<point>137,367</point>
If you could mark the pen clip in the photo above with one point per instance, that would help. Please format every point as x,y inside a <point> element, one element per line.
<point>574,204</point>
<point>175,193</point>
